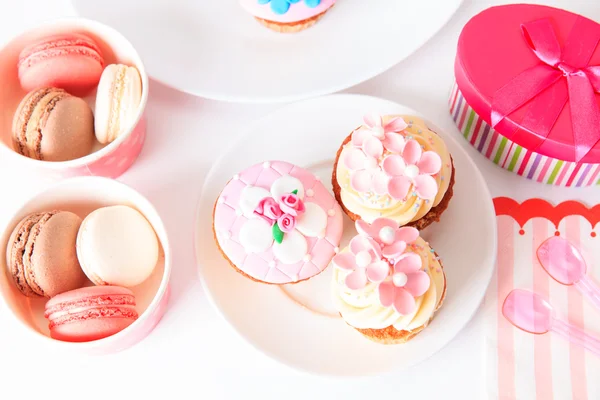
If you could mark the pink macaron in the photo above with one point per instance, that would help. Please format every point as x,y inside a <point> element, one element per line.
<point>90,313</point>
<point>72,62</point>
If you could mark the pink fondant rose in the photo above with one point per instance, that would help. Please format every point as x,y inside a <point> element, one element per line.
<point>291,204</point>
<point>269,210</point>
<point>286,223</point>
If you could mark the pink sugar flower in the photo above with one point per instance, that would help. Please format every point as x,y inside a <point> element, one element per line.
<point>385,231</point>
<point>413,168</point>
<point>375,130</point>
<point>368,144</point>
<point>364,260</point>
<point>406,283</point>
<point>366,175</point>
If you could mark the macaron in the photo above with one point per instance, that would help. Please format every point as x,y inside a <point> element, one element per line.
<point>116,245</point>
<point>90,313</point>
<point>72,62</point>
<point>52,125</point>
<point>117,101</point>
<point>41,254</point>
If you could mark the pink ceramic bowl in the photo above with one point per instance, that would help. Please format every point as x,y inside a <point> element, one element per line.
<point>110,160</point>
<point>82,195</point>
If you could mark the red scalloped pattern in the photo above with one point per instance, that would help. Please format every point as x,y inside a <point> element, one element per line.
<point>538,208</point>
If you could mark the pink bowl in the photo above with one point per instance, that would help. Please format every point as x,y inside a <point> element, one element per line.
<point>110,160</point>
<point>82,195</point>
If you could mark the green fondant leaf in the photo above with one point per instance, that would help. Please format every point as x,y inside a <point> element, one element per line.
<point>277,233</point>
<point>295,191</point>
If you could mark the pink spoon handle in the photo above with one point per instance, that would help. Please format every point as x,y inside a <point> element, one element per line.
<point>577,336</point>
<point>589,290</point>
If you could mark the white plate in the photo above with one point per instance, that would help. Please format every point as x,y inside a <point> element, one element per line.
<point>314,338</point>
<point>214,49</point>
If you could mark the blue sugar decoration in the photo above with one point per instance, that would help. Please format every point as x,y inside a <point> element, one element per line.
<point>282,6</point>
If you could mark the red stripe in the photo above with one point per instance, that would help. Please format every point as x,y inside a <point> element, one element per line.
<point>462,117</point>
<point>512,144</point>
<point>524,163</point>
<point>490,149</point>
<point>561,174</point>
<point>476,130</point>
<point>455,97</point>
<point>542,343</point>
<point>573,175</point>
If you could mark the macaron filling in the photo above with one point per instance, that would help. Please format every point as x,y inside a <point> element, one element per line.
<point>105,312</point>
<point>79,305</point>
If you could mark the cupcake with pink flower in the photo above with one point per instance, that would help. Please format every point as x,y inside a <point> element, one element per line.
<point>388,283</point>
<point>394,167</point>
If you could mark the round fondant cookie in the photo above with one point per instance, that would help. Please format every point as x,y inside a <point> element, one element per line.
<point>394,167</point>
<point>388,283</point>
<point>287,16</point>
<point>277,223</point>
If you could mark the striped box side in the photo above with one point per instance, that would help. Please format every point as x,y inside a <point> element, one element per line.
<point>509,155</point>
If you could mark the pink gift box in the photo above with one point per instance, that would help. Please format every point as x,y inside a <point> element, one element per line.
<point>82,195</point>
<point>526,93</point>
<point>110,160</point>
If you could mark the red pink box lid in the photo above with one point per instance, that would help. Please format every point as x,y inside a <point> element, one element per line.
<point>533,73</point>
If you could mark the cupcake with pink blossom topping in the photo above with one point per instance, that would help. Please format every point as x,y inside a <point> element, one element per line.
<point>388,283</point>
<point>394,167</point>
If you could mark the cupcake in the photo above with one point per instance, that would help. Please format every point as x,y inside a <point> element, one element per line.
<point>276,223</point>
<point>388,283</point>
<point>394,167</point>
<point>287,15</point>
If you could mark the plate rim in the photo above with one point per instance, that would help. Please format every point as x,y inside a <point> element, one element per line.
<point>273,356</point>
<point>245,99</point>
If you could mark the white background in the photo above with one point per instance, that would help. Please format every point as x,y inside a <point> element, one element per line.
<point>193,353</point>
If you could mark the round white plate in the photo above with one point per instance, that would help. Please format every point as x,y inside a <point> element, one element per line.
<point>214,49</point>
<point>312,337</point>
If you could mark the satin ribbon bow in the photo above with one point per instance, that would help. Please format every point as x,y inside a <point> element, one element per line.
<point>570,63</point>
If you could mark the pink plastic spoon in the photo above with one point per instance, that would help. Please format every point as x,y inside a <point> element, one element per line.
<point>563,262</point>
<point>530,312</point>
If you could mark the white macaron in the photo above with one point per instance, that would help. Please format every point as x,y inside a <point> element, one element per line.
<point>116,245</point>
<point>117,101</point>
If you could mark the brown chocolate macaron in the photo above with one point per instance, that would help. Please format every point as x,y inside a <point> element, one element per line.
<point>41,254</point>
<point>52,125</point>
